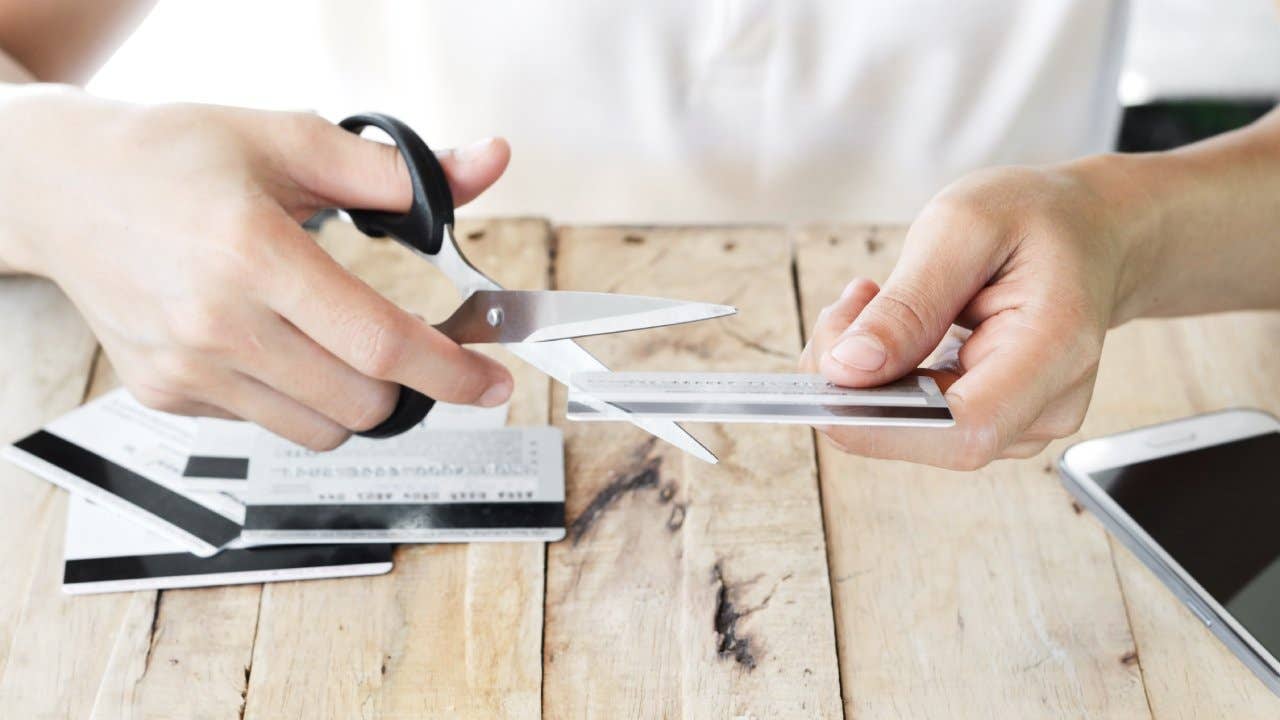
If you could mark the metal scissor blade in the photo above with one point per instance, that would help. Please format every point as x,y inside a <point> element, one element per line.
<point>559,358</point>
<point>562,358</point>
<point>511,316</point>
<point>579,314</point>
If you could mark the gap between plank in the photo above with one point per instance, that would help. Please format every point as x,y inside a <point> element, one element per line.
<point>553,249</point>
<point>1128,617</point>
<point>817,478</point>
<point>151,634</point>
<point>253,648</point>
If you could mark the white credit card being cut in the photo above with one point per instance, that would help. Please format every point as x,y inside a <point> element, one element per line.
<point>786,398</point>
<point>127,459</point>
<point>219,459</point>
<point>105,552</point>
<point>435,486</point>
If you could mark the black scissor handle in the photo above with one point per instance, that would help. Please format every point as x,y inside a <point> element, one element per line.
<point>411,408</point>
<point>421,228</point>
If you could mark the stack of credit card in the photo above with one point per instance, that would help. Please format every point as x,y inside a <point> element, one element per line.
<point>914,401</point>
<point>162,501</point>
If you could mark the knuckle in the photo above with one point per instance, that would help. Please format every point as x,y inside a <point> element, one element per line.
<point>304,131</point>
<point>466,385</point>
<point>903,311</point>
<point>374,406</point>
<point>180,373</point>
<point>305,126</point>
<point>201,326</point>
<point>961,210</point>
<point>378,345</point>
<point>244,250</point>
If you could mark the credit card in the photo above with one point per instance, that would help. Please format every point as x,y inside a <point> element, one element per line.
<point>219,456</point>
<point>106,553</point>
<point>219,459</point>
<point>128,459</point>
<point>780,398</point>
<point>436,486</point>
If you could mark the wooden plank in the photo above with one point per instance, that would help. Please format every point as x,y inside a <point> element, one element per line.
<point>454,630</point>
<point>684,589</point>
<point>180,653</point>
<point>962,594</point>
<point>1155,371</point>
<point>44,367</point>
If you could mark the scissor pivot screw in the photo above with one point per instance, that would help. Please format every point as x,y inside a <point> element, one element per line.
<point>494,317</point>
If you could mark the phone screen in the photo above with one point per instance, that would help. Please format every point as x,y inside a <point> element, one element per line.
<point>1216,512</point>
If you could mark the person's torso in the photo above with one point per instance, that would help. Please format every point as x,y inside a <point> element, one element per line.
<point>738,110</point>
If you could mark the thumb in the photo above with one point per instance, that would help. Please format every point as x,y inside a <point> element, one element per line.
<point>932,282</point>
<point>346,170</point>
<point>473,168</point>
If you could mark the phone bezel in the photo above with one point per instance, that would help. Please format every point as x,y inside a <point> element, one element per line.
<point>1171,438</point>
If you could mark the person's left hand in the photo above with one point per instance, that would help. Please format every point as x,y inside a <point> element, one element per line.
<point>1030,265</point>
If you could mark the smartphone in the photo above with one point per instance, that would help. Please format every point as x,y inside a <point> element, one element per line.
<point>1198,501</point>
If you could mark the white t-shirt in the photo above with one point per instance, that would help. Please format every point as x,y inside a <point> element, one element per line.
<point>738,110</point>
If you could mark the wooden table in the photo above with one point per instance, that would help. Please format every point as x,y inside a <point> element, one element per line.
<point>789,581</point>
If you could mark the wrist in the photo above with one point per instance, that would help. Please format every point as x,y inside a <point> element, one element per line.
<point>1131,213</point>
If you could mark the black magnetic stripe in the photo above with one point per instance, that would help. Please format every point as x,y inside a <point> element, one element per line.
<point>440,516</point>
<point>139,567</point>
<point>223,468</point>
<point>912,412</point>
<point>131,487</point>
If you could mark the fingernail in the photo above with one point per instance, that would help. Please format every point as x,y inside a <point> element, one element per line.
<point>860,351</point>
<point>474,150</point>
<point>495,395</point>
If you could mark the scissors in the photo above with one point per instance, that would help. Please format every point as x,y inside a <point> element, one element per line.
<point>536,325</point>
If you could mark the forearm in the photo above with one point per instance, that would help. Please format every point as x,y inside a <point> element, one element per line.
<point>1199,226</point>
<point>55,41</point>
<point>65,40</point>
<point>12,74</point>
<point>11,71</point>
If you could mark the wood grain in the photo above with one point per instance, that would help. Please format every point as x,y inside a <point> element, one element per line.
<point>177,653</point>
<point>687,590</point>
<point>454,630</point>
<point>683,590</point>
<point>44,369</point>
<point>962,594</point>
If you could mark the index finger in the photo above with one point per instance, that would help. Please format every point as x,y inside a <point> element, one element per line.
<point>375,336</point>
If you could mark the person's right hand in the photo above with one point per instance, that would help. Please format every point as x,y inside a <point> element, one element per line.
<point>175,230</point>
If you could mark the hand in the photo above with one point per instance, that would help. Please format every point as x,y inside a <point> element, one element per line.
<point>1028,264</point>
<point>175,230</point>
